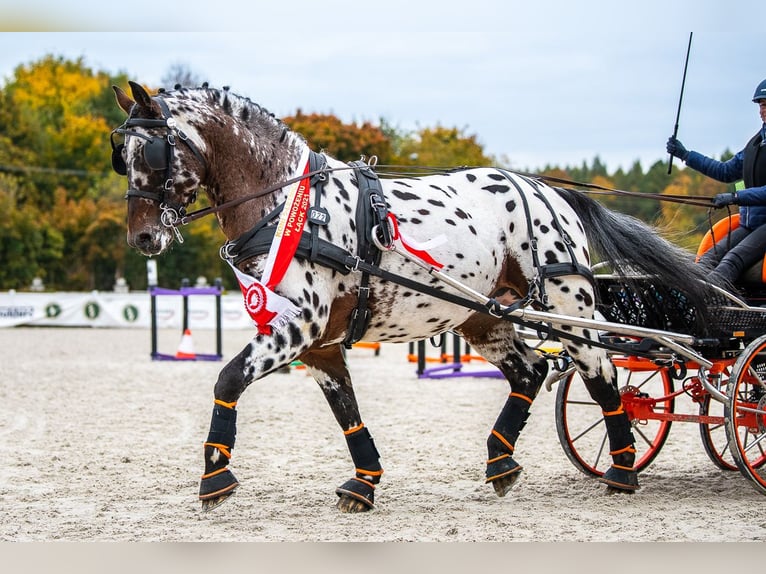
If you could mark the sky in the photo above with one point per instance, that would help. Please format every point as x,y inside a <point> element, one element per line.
<point>536,82</point>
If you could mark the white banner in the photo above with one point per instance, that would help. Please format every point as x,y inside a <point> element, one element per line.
<point>106,309</point>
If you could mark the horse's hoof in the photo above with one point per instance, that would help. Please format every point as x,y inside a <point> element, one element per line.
<point>349,505</point>
<point>503,474</point>
<point>356,495</point>
<point>504,484</point>
<point>620,480</point>
<point>212,503</point>
<point>216,487</point>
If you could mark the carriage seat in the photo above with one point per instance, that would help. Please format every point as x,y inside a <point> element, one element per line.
<point>753,280</point>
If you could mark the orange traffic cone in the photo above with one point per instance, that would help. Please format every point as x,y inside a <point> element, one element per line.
<point>186,347</point>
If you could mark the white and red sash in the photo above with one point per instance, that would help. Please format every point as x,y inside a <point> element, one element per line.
<point>416,249</point>
<point>265,307</point>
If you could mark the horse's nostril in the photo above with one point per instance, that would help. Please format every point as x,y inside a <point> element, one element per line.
<point>144,239</point>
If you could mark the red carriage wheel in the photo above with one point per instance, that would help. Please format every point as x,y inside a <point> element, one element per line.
<point>746,412</point>
<point>715,439</point>
<point>580,423</point>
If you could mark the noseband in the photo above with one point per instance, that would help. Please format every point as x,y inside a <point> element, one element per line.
<point>158,155</point>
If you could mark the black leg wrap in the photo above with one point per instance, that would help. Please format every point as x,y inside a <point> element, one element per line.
<point>619,431</point>
<point>223,426</point>
<point>217,484</point>
<point>359,489</point>
<point>502,440</point>
<point>512,419</point>
<point>621,475</point>
<point>364,454</point>
<point>219,480</point>
<point>500,467</point>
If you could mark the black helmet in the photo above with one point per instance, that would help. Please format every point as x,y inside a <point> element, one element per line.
<point>760,92</point>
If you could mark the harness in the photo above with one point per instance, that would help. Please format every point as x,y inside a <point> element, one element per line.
<point>158,154</point>
<point>536,291</point>
<point>371,212</point>
<point>374,235</point>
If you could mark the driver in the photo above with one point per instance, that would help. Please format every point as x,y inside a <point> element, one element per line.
<point>746,244</point>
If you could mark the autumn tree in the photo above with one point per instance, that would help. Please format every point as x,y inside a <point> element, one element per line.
<point>345,142</point>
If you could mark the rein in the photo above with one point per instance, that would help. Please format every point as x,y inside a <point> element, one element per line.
<point>698,200</point>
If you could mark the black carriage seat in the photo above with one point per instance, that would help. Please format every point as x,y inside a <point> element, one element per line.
<point>752,284</point>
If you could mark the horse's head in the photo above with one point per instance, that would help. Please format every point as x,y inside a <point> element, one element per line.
<point>163,165</point>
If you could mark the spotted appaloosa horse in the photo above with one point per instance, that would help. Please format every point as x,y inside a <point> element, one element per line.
<point>508,236</point>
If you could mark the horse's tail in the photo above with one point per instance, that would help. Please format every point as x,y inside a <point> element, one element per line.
<point>632,247</point>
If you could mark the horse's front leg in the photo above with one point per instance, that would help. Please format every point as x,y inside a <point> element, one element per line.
<point>328,367</point>
<point>262,356</point>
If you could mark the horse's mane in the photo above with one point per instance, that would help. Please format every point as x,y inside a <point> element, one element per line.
<point>256,117</point>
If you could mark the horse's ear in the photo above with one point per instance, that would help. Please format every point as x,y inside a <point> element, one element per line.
<point>143,99</point>
<point>123,100</point>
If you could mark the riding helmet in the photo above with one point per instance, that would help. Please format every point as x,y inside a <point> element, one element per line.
<point>760,92</point>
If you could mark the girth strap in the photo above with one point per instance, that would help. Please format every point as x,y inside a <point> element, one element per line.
<point>371,211</point>
<point>546,270</point>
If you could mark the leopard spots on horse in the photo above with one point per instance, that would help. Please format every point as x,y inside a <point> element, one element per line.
<point>296,337</point>
<point>470,177</point>
<point>405,195</point>
<point>422,211</point>
<point>551,257</point>
<point>496,176</point>
<point>462,214</point>
<point>472,229</point>
<point>585,297</point>
<point>510,205</point>
<point>341,188</point>
<point>450,222</point>
<point>436,202</point>
<point>496,188</point>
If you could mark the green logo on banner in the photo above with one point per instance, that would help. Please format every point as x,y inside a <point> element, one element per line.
<point>130,313</point>
<point>92,310</point>
<point>52,310</point>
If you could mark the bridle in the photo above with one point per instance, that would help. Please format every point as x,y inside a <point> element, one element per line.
<point>158,154</point>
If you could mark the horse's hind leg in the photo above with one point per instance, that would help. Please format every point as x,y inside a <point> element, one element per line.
<point>601,383</point>
<point>328,367</point>
<point>525,372</point>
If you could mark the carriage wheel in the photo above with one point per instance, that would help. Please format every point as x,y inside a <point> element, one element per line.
<point>715,438</point>
<point>580,423</point>
<point>746,412</point>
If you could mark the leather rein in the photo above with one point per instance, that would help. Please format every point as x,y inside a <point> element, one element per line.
<point>697,200</point>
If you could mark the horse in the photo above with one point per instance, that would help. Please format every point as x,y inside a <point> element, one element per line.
<point>329,253</point>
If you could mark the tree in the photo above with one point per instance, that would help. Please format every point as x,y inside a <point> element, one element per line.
<point>440,147</point>
<point>345,142</point>
<point>182,75</point>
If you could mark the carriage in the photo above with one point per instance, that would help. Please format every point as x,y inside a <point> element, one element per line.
<point>328,254</point>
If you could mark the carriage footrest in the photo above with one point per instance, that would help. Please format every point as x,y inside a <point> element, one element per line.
<point>621,478</point>
<point>358,489</point>
<point>217,484</point>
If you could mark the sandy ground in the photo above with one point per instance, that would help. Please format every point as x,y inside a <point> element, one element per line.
<point>100,443</point>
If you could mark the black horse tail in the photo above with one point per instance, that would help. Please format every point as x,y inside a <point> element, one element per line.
<point>633,249</point>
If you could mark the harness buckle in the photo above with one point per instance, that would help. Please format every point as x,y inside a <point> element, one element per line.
<point>355,267</point>
<point>171,139</point>
<point>168,185</point>
<point>225,252</point>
